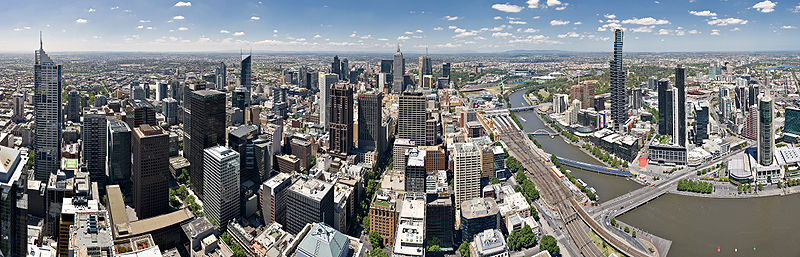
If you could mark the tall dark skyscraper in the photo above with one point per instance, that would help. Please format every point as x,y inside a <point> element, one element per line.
<point>386,66</point>
<point>425,67</point>
<point>207,129</point>
<point>411,117</point>
<point>240,98</point>
<point>246,76</point>
<point>398,70</point>
<point>118,155</point>
<point>344,71</point>
<point>140,112</point>
<point>619,105</point>
<point>93,135</point>
<point>336,66</point>
<point>680,85</point>
<point>48,117</point>
<point>341,128</point>
<point>242,141</point>
<point>370,116</point>
<point>73,106</point>
<point>664,107</point>
<point>150,171</point>
<point>446,70</point>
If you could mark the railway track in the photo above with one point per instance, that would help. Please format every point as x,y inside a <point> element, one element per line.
<point>576,221</point>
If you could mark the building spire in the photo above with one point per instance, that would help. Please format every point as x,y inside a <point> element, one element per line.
<point>398,47</point>
<point>41,45</point>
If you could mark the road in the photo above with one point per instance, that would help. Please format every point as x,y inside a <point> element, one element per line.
<point>576,221</point>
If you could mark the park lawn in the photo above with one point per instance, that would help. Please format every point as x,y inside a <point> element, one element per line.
<point>604,247</point>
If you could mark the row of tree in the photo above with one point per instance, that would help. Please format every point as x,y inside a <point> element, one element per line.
<point>592,196</point>
<point>695,186</point>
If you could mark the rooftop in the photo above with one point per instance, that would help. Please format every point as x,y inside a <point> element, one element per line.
<point>490,242</point>
<point>10,168</point>
<point>311,187</point>
<point>91,230</point>
<point>478,208</point>
<point>323,241</point>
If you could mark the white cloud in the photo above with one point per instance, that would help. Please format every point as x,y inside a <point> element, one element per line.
<point>403,38</point>
<point>438,29</point>
<point>796,9</point>
<point>224,31</point>
<point>610,16</point>
<point>507,7</point>
<point>645,21</point>
<point>765,6</point>
<point>705,13</point>
<point>499,28</point>
<point>183,29</point>
<point>570,34</point>
<point>140,27</point>
<point>383,39</point>
<point>715,32</point>
<point>452,27</point>
<point>465,34</point>
<point>788,27</point>
<point>366,37</point>
<point>561,8</point>
<point>144,21</point>
<point>183,4</point>
<point>643,29</point>
<point>92,10</point>
<point>735,29</point>
<point>255,18</point>
<point>533,3</point>
<point>274,31</point>
<point>419,31</point>
<point>528,30</point>
<point>558,22</point>
<point>664,32</point>
<point>498,18</point>
<point>179,17</point>
<point>578,23</point>
<point>238,33</point>
<point>81,20</point>
<point>608,26</point>
<point>517,22</point>
<point>553,2</point>
<point>114,8</point>
<point>149,28</point>
<point>536,17</point>
<point>694,32</point>
<point>501,34</point>
<point>726,21</point>
<point>459,30</point>
<point>451,18</point>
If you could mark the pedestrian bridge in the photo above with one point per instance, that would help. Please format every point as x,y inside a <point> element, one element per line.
<point>543,132</point>
<point>595,168</point>
<point>522,108</point>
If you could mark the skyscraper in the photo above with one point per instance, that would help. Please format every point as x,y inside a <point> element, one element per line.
<point>370,118</point>
<point>584,93</point>
<point>240,98</point>
<point>336,66</point>
<point>680,85</point>
<point>150,171</point>
<point>766,131</point>
<point>398,70</point>
<point>341,128</point>
<point>241,140</point>
<point>48,117</point>
<point>344,71</point>
<point>311,201</point>
<point>169,107</point>
<point>446,70</point>
<point>386,66</point>
<point>664,107</point>
<point>701,122</point>
<point>207,129</point>
<point>221,76</point>
<point>74,106</point>
<point>246,77</point>
<point>411,117</point>
<point>221,175</point>
<point>18,100</point>
<point>93,135</point>
<point>619,112</point>
<point>162,91</point>
<point>118,154</point>
<point>466,172</point>
<point>325,82</point>
<point>425,67</point>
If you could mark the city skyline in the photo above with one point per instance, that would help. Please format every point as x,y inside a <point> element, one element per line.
<point>195,26</point>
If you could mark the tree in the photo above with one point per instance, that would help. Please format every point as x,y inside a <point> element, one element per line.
<point>375,240</point>
<point>627,229</point>
<point>464,249</point>
<point>633,233</point>
<point>549,243</point>
<point>378,252</point>
<point>495,181</point>
<point>433,244</point>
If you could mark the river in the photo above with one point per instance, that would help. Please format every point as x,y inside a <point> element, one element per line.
<point>766,226</point>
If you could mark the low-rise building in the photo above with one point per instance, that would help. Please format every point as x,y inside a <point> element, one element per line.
<point>489,243</point>
<point>410,238</point>
<point>383,215</point>
<point>321,240</point>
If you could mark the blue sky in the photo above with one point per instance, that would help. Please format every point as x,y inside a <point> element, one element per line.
<point>378,25</point>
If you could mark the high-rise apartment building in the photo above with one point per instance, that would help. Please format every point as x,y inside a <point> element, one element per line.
<point>466,171</point>
<point>701,122</point>
<point>412,116</point>
<point>336,66</point>
<point>398,70</point>
<point>242,140</point>
<point>150,171</point>
<point>415,172</point>
<point>766,130</point>
<point>425,67</point>
<point>273,198</point>
<point>584,93</point>
<point>93,137</point>
<point>370,118</point>
<point>47,115</point>
<point>665,115</point>
<point>619,105</point>
<point>680,85</point>
<point>140,112</point>
<point>206,129</point>
<point>169,107</point>
<point>341,125</point>
<point>221,184</point>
